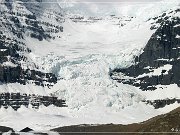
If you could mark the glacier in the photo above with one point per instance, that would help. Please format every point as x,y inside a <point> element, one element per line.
<point>81,57</point>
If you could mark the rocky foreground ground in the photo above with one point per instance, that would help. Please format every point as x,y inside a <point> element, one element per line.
<point>166,124</point>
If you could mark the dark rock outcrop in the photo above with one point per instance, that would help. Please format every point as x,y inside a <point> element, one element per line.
<point>17,74</point>
<point>162,53</point>
<point>15,26</point>
<point>4,129</point>
<point>159,63</point>
<point>16,100</point>
<point>160,103</point>
<point>27,129</point>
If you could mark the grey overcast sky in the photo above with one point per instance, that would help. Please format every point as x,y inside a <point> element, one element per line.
<point>121,7</point>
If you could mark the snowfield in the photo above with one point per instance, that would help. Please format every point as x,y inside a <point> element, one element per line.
<point>81,59</point>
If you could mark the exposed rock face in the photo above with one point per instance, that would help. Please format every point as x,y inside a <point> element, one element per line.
<point>159,63</point>
<point>17,21</point>
<point>17,74</point>
<point>5,129</point>
<point>163,102</point>
<point>27,129</point>
<point>16,100</point>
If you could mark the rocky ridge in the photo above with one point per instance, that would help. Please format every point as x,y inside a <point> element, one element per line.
<point>20,20</point>
<point>158,65</point>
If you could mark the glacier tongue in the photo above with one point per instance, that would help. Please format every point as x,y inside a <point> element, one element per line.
<point>83,57</point>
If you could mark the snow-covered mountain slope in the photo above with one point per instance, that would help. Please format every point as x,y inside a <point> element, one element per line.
<point>18,73</point>
<point>81,59</point>
<point>157,66</point>
<point>17,23</point>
